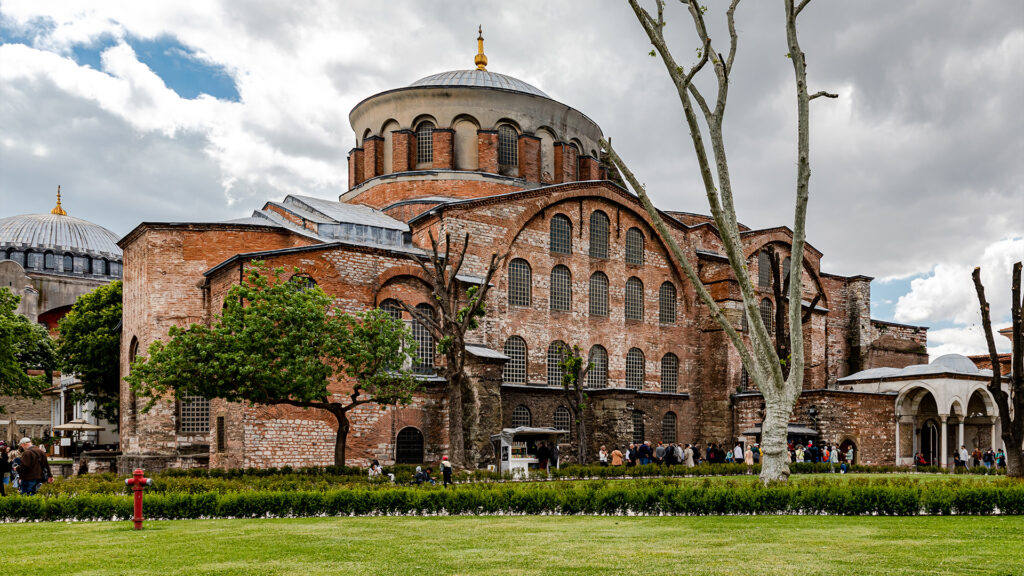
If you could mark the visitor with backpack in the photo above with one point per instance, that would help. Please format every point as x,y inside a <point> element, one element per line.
<point>34,469</point>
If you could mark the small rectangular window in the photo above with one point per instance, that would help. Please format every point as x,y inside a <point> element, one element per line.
<point>222,442</point>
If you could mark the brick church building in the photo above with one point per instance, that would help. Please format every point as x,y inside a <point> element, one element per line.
<point>481,152</point>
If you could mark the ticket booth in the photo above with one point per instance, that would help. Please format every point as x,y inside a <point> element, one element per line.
<point>517,447</point>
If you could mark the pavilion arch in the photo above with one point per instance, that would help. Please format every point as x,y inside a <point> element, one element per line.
<point>909,400</point>
<point>983,394</point>
<point>956,408</point>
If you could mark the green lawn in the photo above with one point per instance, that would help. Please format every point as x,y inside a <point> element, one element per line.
<point>532,545</point>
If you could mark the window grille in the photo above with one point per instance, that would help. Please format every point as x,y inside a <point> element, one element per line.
<point>634,299</point>
<point>35,260</point>
<point>561,234</point>
<point>194,415</point>
<point>508,146</point>
<point>786,262</point>
<point>562,420</point>
<point>635,369</point>
<point>667,303</point>
<point>50,262</point>
<point>668,428</point>
<point>634,246</point>
<point>561,288</point>
<point>744,378</point>
<point>515,368</point>
<point>521,416</point>
<point>222,437</point>
<point>409,446</point>
<point>392,309</point>
<point>669,373</point>
<point>764,270</point>
<point>767,314</point>
<point>425,351</point>
<point>556,352</point>
<point>425,143</point>
<point>599,226</point>
<point>17,256</point>
<point>519,283</point>
<point>69,263</point>
<point>99,266</point>
<point>598,375</point>
<point>598,294</point>
<point>638,426</point>
<point>745,323</point>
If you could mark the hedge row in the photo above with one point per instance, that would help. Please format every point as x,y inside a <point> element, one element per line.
<point>900,497</point>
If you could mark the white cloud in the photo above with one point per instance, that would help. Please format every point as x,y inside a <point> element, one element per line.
<point>965,340</point>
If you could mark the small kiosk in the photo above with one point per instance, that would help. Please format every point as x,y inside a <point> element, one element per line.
<point>517,447</point>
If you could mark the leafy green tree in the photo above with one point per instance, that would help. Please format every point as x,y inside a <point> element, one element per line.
<point>24,346</point>
<point>90,347</point>
<point>280,342</point>
<point>574,375</point>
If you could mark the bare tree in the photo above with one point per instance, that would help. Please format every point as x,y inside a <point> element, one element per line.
<point>459,310</point>
<point>760,359</point>
<point>1009,402</point>
<point>780,287</point>
<point>574,373</point>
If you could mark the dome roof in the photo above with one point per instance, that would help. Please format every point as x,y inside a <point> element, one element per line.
<point>479,79</point>
<point>946,364</point>
<point>55,231</point>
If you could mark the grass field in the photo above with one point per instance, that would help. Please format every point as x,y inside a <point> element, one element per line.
<point>532,545</point>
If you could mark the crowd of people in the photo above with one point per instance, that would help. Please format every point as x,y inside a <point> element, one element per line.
<point>24,468</point>
<point>963,459</point>
<point>672,454</point>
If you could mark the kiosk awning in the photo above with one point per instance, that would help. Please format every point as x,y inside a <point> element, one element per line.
<point>526,431</point>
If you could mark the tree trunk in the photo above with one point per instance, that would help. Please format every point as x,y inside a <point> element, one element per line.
<point>774,446</point>
<point>1014,458</point>
<point>581,436</point>
<point>456,438</point>
<point>341,439</point>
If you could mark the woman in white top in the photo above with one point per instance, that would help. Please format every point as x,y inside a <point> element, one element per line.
<point>602,456</point>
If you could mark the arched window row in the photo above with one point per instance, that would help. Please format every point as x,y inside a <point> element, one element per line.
<point>561,288</point>
<point>521,416</point>
<point>425,349</point>
<point>425,142</point>
<point>68,262</point>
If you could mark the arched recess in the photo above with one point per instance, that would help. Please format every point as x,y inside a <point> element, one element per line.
<point>366,134</point>
<point>547,154</point>
<point>752,251</point>
<point>467,147</point>
<point>389,155</point>
<point>409,446</point>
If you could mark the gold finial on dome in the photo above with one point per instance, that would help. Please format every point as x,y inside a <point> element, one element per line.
<point>57,209</point>
<point>481,59</point>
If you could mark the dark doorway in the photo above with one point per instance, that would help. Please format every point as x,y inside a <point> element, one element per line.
<point>844,449</point>
<point>409,446</point>
<point>930,441</point>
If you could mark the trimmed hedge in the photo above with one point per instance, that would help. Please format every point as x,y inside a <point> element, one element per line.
<point>898,496</point>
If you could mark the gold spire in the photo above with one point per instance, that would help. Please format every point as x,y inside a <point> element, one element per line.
<point>57,209</point>
<point>481,59</point>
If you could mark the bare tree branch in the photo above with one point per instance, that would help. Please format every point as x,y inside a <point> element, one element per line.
<point>823,93</point>
<point>800,7</point>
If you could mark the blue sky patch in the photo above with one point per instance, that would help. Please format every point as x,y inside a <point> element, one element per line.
<point>885,294</point>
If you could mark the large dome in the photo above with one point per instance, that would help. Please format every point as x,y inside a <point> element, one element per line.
<point>58,232</point>
<point>479,79</point>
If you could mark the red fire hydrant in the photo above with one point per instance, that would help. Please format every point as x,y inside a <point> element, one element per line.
<point>137,482</point>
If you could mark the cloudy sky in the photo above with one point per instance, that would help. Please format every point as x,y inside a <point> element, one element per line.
<point>171,111</point>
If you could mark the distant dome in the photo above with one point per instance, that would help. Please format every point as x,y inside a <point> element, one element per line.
<point>57,232</point>
<point>479,79</point>
<point>956,363</point>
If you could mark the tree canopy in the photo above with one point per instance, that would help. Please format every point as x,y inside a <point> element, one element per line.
<point>90,347</point>
<point>24,346</point>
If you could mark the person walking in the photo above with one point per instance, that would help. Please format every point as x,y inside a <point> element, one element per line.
<point>964,455</point>
<point>688,456</point>
<point>554,456</point>
<point>34,469</point>
<point>737,453</point>
<point>616,457</point>
<point>748,459</point>
<point>987,458</point>
<point>446,471</point>
<point>833,459</point>
<point>543,455</point>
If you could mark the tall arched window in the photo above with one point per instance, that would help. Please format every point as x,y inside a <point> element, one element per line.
<point>409,446</point>
<point>599,225</point>
<point>670,373</point>
<point>50,262</point>
<point>424,342</point>
<point>561,288</point>
<point>767,314</point>
<point>561,234</point>
<point>521,416</point>
<point>562,420</point>
<point>515,368</point>
<point>425,143</point>
<point>634,299</point>
<point>69,263</point>
<point>635,375</point>
<point>392,308</point>
<point>508,146</point>
<point>764,270</point>
<point>519,283</point>
<point>667,303</point>
<point>598,294</point>
<point>556,353</point>
<point>668,427</point>
<point>786,262</point>
<point>638,426</point>
<point>597,377</point>
<point>634,246</point>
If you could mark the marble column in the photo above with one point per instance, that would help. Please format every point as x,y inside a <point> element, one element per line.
<point>944,445</point>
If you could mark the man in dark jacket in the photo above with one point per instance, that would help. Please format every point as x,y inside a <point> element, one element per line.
<point>34,469</point>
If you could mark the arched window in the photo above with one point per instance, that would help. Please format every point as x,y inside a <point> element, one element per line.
<point>556,353</point>
<point>667,303</point>
<point>69,263</point>
<point>518,283</point>
<point>409,446</point>
<point>561,288</point>
<point>669,373</point>
<point>302,282</point>
<point>764,270</point>
<point>17,256</point>
<point>668,427</point>
<point>745,322</point>
<point>35,260</point>
<point>562,420</point>
<point>786,262</point>
<point>767,314</point>
<point>634,246</point>
<point>597,377</point>
<point>521,416</point>
<point>561,234</point>
<point>635,375</point>
<point>424,342</point>
<point>638,426</point>
<point>598,294</point>
<point>99,266</point>
<point>392,308</point>
<point>50,262</point>
<point>425,143</point>
<point>508,146</point>
<point>634,299</point>
<point>599,225</point>
<point>744,378</point>
<point>515,368</point>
